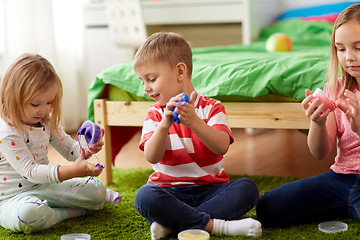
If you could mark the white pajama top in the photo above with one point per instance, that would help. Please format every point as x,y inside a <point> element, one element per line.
<point>24,163</point>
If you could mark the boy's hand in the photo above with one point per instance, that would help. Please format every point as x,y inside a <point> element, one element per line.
<point>169,112</point>
<point>313,108</point>
<point>167,121</point>
<point>186,111</point>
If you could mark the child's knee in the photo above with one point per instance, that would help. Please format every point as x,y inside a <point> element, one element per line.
<point>145,197</point>
<point>249,187</point>
<point>101,188</point>
<point>265,210</point>
<point>98,190</point>
<point>32,217</point>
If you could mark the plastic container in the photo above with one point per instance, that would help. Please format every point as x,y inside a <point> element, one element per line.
<point>193,234</point>
<point>76,236</point>
<point>91,132</point>
<point>332,227</point>
<point>328,104</point>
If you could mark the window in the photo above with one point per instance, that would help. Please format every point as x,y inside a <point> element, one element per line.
<point>2,28</point>
<point>2,38</point>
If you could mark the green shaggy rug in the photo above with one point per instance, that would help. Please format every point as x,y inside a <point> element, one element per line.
<point>122,221</point>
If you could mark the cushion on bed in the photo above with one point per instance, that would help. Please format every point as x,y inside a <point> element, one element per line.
<point>324,12</point>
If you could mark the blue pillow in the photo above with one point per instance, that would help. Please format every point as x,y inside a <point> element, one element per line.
<point>316,10</point>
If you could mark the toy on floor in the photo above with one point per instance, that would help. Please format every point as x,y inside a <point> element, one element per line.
<point>332,227</point>
<point>193,234</point>
<point>76,236</point>
<point>184,98</point>
<point>278,42</point>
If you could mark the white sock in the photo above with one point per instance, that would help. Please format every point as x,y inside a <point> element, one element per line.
<point>244,227</point>
<point>158,231</point>
<point>112,197</point>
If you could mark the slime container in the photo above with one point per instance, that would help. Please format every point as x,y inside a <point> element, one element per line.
<point>76,236</point>
<point>193,234</point>
<point>91,132</point>
<point>328,104</point>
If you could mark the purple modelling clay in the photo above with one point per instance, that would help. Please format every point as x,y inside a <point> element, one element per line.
<point>91,131</point>
<point>99,165</point>
<point>184,98</point>
<point>328,104</point>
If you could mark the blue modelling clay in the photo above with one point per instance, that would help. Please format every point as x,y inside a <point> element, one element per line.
<point>184,98</point>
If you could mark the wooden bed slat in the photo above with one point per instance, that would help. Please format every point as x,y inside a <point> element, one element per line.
<point>266,115</point>
<point>126,113</point>
<point>240,115</point>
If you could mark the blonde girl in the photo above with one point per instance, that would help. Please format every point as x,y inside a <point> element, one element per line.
<point>334,194</point>
<point>33,194</point>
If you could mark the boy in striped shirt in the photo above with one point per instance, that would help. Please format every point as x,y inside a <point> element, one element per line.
<point>189,188</point>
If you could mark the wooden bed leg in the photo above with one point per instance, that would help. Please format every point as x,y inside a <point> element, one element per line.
<point>105,154</point>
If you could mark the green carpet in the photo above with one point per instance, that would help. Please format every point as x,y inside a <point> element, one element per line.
<point>122,221</point>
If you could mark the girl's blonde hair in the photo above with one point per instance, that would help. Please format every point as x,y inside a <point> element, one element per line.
<point>25,79</point>
<point>351,13</point>
<point>166,47</point>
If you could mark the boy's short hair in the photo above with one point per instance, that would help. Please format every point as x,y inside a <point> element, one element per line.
<point>166,47</point>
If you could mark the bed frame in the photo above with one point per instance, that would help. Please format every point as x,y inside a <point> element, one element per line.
<point>240,115</point>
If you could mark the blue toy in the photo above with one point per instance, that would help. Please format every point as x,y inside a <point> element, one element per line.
<point>184,98</point>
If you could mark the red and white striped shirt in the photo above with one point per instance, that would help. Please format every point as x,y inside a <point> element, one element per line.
<point>187,161</point>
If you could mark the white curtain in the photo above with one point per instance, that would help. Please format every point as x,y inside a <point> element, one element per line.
<point>53,29</point>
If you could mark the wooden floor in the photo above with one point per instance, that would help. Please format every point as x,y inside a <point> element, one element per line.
<point>270,152</point>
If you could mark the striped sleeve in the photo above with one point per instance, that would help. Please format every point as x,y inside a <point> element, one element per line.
<point>213,113</point>
<point>152,120</point>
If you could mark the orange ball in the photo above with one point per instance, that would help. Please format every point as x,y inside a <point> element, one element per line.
<point>278,42</point>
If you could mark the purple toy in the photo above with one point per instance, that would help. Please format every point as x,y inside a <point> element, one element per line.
<point>91,131</point>
<point>184,98</point>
